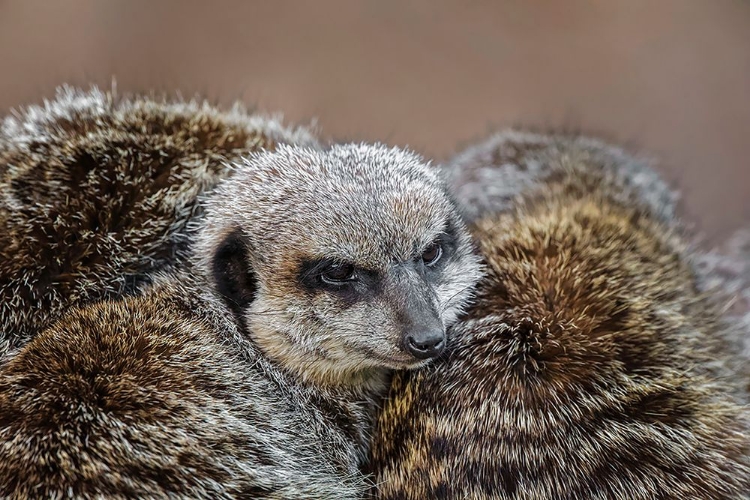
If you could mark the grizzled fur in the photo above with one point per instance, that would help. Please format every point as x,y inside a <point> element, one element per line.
<point>590,365</point>
<point>490,176</point>
<point>96,192</point>
<point>158,396</point>
<point>284,216</point>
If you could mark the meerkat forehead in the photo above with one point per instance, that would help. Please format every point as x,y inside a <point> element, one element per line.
<point>368,204</point>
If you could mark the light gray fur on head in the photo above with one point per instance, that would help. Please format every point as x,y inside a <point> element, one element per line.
<point>373,206</point>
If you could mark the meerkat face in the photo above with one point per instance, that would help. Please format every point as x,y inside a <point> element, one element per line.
<point>340,261</point>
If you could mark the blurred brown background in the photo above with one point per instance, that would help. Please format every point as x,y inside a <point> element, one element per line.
<point>670,78</point>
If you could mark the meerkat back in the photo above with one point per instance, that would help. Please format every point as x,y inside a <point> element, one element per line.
<point>152,396</point>
<point>97,191</point>
<point>590,364</point>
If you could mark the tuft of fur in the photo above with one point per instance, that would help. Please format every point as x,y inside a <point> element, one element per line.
<point>488,177</point>
<point>725,272</point>
<point>591,364</point>
<point>97,191</point>
<point>157,396</point>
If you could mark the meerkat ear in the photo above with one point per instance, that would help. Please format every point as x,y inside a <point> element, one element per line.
<point>232,274</point>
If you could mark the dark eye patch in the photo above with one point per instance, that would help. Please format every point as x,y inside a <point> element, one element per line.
<point>334,276</point>
<point>338,273</point>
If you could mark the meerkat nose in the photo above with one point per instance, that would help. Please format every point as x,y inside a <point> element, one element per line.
<point>427,343</point>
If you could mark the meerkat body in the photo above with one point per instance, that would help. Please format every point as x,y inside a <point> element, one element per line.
<point>590,364</point>
<point>97,192</point>
<point>155,396</point>
<point>252,369</point>
<point>489,177</point>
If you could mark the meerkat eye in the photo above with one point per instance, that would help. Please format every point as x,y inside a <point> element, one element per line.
<point>432,254</point>
<point>338,273</point>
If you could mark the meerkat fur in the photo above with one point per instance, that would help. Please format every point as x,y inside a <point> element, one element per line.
<point>591,364</point>
<point>155,396</point>
<point>96,193</point>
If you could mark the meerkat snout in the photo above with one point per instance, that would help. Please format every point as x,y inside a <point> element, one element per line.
<point>426,343</point>
<point>410,290</point>
<point>339,261</point>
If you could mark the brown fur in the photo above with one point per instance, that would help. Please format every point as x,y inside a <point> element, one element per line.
<point>158,396</point>
<point>96,192</point>
<point>590,366</point>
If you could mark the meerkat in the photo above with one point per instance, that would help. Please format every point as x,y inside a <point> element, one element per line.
<point>97,192</point>
<point>331,268</point>
<point>487,178</point>
<point>590,364</point>
<point>151,397</point>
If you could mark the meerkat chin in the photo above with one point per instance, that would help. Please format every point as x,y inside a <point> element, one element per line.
<point>339,264</point>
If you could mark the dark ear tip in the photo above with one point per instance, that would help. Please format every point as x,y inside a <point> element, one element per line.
<point>231,272</point>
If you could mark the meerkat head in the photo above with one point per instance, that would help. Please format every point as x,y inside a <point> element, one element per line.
<point>342,261</point>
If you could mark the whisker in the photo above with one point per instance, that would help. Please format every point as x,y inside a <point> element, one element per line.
<point>450,299</point>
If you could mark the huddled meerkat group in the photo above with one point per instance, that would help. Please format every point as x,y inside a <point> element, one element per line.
<point>207,304</point>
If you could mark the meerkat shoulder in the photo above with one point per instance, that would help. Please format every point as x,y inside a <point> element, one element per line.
<point>153,396</point>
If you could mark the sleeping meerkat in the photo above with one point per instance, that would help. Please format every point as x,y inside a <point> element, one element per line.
<point>337,265</point>
<point>96,193</point>
<point>591,365</point>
